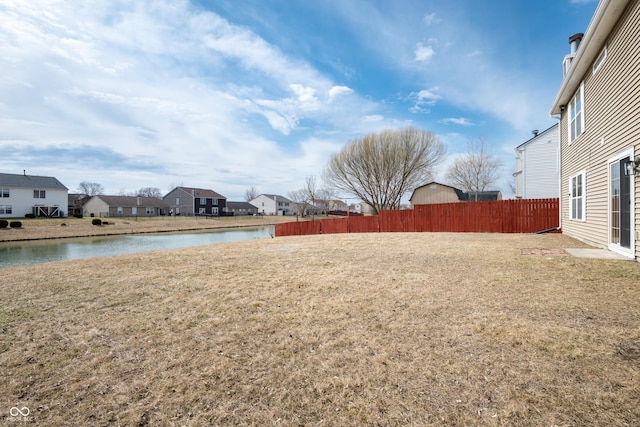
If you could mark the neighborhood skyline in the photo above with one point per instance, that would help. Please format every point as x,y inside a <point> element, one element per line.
<point>207,94</point>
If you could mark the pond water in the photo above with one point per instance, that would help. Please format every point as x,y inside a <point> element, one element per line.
<point>35,252</point>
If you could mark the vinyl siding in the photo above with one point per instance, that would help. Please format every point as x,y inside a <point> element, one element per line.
<point>539,177</point>
<point>612,125</point>
<point>434,193</point>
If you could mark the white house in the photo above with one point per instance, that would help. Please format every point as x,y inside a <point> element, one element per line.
<point>537,172</point>
<point>42,196</point>
<point>273,204</point>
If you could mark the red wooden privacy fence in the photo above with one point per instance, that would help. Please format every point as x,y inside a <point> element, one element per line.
<point>503,216</point>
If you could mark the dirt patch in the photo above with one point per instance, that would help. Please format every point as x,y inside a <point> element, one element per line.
<point>630,350</point>
<point>543,252</point>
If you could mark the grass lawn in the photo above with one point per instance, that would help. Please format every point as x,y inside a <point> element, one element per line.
<point>358,329</point>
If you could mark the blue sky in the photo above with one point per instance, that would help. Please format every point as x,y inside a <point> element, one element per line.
<point>233,94</point>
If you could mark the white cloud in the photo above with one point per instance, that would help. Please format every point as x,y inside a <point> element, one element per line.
<point>423,53</point>
<point>462,121</point>
<point>431,18</point>
<point>336,91</point>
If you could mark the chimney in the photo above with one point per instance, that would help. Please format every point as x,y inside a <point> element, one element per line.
<point>24,172</point>
<point>535,132</point>
<point>574,41</point>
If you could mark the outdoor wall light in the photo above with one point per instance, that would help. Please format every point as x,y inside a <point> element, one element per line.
<point>633,166</point>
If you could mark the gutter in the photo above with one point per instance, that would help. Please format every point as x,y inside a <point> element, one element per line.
<point>604,20</point>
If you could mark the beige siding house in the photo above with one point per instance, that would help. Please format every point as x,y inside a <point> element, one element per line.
<point>598,105</point>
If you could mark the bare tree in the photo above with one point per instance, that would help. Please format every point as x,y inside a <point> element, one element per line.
<point>305,197</point>
<point>90,188</point>
<point>174,185</point>
<point>300,201</point>
<point>251,193</point>
<point>149,192</point>
<point>476,170</point>
<point>380,168</point>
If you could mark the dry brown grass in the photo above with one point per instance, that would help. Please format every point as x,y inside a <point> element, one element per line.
<point>52,228</point>
<point>361,329</point>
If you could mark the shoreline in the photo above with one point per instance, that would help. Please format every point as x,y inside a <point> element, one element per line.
<point>67,228</point>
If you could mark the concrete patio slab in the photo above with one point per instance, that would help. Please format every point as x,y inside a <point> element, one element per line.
<point>596,253</point>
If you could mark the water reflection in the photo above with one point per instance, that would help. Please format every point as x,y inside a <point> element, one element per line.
<point>35,252</point>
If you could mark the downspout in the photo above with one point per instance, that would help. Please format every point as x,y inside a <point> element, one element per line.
<point>559,163</point>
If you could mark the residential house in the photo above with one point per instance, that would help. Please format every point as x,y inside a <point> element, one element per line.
<point>124,206</point>
<point>75,203</point>
<point>42,196</point>
<point>241,208</point>
<point>321,206</point>
<point>195,201</point>
<point>598,110</point>
<point>273,204</point>
<point>538,165</point>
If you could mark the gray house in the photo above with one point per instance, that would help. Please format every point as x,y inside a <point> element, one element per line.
<point>195,201</point>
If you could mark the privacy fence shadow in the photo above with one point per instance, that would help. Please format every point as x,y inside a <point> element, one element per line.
<point>503,216</point>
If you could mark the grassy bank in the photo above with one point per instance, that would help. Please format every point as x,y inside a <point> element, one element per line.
<point>369,329</point>
<point>52,228</point>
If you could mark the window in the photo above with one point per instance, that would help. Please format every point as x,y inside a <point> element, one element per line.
<point>6,209</point>
<point>149,211</point>
<point>39,194</point>
<point>119,210</point>
<point>214,202</point>
<point>203,201</point>
<point>177,201</point>
<point>600,60</point>
<point>214,211</point>
<point>4,192</point>
<point>134,210</point>
<point>577,196</point>
<point>202,211</point>
<point>576,114</point>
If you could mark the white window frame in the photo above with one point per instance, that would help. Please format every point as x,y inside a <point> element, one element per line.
<point>214,202</point>
<point>214,211</point>
<point>203,200</point>
<point>134,210</point>
<point>576,119</point>
<point>5,192</point>
<point>602,57</point>
<point>582,198</point>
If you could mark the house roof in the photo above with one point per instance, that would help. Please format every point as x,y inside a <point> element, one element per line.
<point>274,196</point>
<point>459,193</point>
<point>131,201</point>
<point>604,20</point>
<point>539,135</point>
<point>30,181</point>
<point>201,192</point>
<point>483,196</point>
<point>240,205</point>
